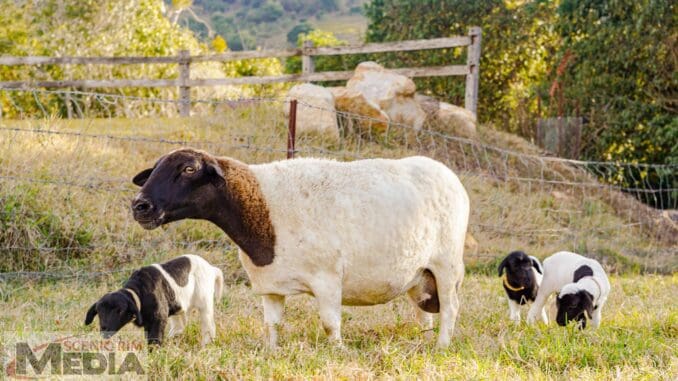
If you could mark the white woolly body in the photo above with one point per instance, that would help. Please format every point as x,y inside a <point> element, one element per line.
<point>369,227</point>
<point>559,271</point>
<point>204,280</point>
<point>204,286</point>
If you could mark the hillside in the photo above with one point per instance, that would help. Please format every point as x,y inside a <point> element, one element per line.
<point>249,24</point>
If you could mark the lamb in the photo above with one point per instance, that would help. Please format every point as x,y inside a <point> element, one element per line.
<point>521,280</point>
<point>582,287</point>
<point>159,294</point>
<point>357,233</point>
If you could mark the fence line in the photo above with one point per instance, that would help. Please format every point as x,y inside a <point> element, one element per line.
<point>522,183</point>
<point>281,101</point>
<point>184,61</point>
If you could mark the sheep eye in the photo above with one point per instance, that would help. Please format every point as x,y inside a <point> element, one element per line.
<point>189,170</point>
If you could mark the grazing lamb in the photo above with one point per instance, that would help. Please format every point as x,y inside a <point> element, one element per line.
<point>522,277</point>
<point>163,293</point>
<point>358,233</point>
<point>582,288</point>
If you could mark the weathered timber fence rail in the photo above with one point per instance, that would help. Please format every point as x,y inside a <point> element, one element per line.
<point>308,74</point>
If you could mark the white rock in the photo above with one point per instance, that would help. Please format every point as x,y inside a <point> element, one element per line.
<point>315,111</point>
<point>393,93</point>
<point>448,118</point>
<point>372,119</point>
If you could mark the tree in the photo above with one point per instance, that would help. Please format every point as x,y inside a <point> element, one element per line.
<point>104,28</point>
<point>320,38</point>
<point>301,28</point>
<point>517,40</point>
<point>623,78</point>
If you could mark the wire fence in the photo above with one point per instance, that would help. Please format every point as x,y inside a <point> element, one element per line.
<point>65,184</point>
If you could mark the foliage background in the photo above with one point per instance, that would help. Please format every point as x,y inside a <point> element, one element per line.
<point>612,62</point>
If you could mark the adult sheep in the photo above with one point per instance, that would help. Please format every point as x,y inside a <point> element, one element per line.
<point>357,233</point>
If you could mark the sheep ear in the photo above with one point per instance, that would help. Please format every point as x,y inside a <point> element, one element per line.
<point>138,320</point>
<point>537,265</point>
<point>216,174</point>
<point>502,265</point>
<point>141,177</point>
<point>90,314</point>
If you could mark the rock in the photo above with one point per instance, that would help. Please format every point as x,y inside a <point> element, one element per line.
<point>354,102</point>
<point>392,93</point>
<point>315,111</point>
<point>447,118</point>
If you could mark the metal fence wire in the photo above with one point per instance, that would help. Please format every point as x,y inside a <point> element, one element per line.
<point>65,184</point>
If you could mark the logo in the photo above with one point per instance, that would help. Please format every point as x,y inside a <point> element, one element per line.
<point>72,356</point>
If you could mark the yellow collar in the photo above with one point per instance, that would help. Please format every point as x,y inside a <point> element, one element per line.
<point>137,302</point>
<point>508,285</point>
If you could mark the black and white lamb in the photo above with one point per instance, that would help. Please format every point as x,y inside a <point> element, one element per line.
<point>582,287</point>
<point>522,276</point>
<point>163,294</point>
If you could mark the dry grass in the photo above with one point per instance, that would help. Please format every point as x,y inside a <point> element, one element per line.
<point>84,218</point>
<point>82,223</point>
<point>637,340</point>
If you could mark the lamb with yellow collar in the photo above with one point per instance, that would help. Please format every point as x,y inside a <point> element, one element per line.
<point>162,294</point>
<point>522,276</point>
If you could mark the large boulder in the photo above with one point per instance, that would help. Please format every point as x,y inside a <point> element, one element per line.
<point>447,118</point>
<point>315,111</point>
<point>393,93</point>
<point>372,119</point>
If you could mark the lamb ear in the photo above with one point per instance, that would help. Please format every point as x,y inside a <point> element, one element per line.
<point>137,314</point>
<point>138,320</point>
<point>587,300</point>
<point>90,314</point>
<point>537,265</point>
<point>141,177</point>
<point>502,265</point>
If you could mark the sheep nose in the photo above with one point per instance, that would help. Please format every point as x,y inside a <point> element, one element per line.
<point>141,206</point>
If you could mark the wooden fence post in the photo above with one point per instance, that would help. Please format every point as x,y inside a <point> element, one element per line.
<point>292,129</point>
<point>69,104</point>
<point>473,78</point>
<point>307,65</point>
<point>184,89</point>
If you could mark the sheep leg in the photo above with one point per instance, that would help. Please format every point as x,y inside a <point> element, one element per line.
<point>538,305</point>
<point>155,332</point>
<point>425,319</point>
<point>514,311</point>
<point>544,315</point>
<point>328,297</point>
<point>176,324</point>
<point>595,321</point>
<point>273,311</point>
<point>208,329</point>
<point>449,305</point>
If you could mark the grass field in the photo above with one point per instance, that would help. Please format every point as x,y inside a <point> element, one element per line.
<point>638,339</point>
<point>64,208</point>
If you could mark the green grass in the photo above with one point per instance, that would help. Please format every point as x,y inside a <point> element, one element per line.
<point>638,338</point>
